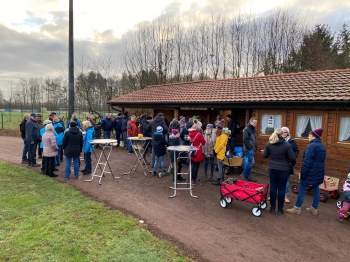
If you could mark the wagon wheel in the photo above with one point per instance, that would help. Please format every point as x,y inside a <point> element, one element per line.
<point>263,205</point>
<point>240,170</point>
<point>335,194</point>
<point>256,211</point>
<point>160,174</point>
<point>295,189</point>
<point>216,167</point>
<point>309,188</point>
<point>223,203</point>
<point>323,197</point>
<point>228,200</point>
<point>339,204</point>
<point>226,170</point>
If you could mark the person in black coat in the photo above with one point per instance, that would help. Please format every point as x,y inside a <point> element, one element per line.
<point>72,145</point>
<point>159,148</point>
<point>22,128</point>
<point>291,141</point>
<point>281,155</point>
<point>146,133</point>
<point>118,122</point>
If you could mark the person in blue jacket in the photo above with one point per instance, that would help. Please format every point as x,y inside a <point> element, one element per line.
<point>107,126</point>
<point>87,147</point>
<point>124,128</point>
<point>75,119</point>
<point>312,172</point>
<point>59,129</point>
<point>118,122</point>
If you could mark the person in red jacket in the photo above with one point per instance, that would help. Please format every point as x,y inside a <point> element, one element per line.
<point>197,139</point>
<point>131,130</point>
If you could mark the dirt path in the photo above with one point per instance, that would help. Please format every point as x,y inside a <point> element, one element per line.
<point>201,227</point>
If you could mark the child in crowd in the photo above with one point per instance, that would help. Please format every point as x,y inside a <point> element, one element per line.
<point>159,144</point>
<point>343,212</point>
<point>222,136</point>
<point>174,140</point>
<point>87,147</point>
<point>209,137</point>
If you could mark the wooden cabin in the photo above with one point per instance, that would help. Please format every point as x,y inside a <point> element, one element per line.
<point>300,101</point>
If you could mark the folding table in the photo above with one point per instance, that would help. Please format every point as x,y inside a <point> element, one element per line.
<point>139,145</point>
<point>188,150</point>
<point>102,160</point>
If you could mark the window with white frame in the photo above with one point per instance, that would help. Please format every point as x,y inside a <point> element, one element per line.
<point>305,124</point>
<point>269,123</point>
<point>344,129</point>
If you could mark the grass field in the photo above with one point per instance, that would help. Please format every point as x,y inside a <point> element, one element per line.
<point>11,120</point>
<point>44,220</point>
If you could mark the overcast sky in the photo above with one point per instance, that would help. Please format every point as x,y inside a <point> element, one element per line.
<point>34,33</point>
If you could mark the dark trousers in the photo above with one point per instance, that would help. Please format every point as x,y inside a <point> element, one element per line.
<point>278,181</point>
<point>31,153</point>
<point>195,168</point>
<point>43,165</point>
<point>117,136</point>
<point>49,165</point>
<point>40,150</point>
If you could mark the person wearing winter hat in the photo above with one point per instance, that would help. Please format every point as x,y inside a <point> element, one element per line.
<point>159,148</point>
<point>197,125</point>
<point>222,136</point>
<point>42,132</point>
<point>291,141</point>
<point>208,150</point>
<point>343,211</point>
<point>312,172</point>
<point>204,124</point>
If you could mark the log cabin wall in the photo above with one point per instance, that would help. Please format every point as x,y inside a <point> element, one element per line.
<point>338,152</point>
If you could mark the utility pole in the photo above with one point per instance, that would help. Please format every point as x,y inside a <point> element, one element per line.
<point>71,63</point>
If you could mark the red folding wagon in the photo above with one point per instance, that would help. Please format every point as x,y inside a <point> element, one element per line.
<point>244,191</point>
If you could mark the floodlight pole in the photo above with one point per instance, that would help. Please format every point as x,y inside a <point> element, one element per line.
<point>71,62</point>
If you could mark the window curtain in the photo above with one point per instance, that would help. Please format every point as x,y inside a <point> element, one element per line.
<point>316,122</point>
<point>277,123</point>
<point>302,122</point>
<point>344,130</point>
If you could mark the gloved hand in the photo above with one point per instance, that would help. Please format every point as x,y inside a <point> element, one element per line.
<point>32,143</point>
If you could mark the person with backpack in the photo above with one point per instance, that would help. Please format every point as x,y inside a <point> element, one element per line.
<point>235,129</point>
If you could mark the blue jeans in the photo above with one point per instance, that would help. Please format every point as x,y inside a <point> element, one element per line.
<point>25,150</point>
<point>130,150</point>
<point>87,159</point>
<point>58,157</point>
<point>287,187</point>
<point>219,163</point>
<point>247,170</point>
<point>31,153</point>
<point>107,134</point>
<point>68,165</point>
<point>206,163</point>
<point>125,140</point>
<point>301,195</point>
<point>278,181</point>
<point>161,160</point>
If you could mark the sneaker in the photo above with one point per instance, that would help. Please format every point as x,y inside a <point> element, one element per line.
<point>340,219</point>
<point>312,211</point>
<point>294,211</point>
<point>286,199</point>
<point>181,179</point>
<point>280,212</point>
<point>24,161</point>
<point>86,173</point>
<point>154,173</point>
<point>250,179</point>
<point>164,171</point>
<point>198,183</point>
<point>34,165</point>
<point>53,175</point>
<point>243,177</point>
<point>272,211</point>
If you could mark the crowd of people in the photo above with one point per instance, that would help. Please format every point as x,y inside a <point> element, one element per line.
<point>50,140</point>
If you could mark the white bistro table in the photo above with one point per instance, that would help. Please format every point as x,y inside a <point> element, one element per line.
<point>139,146</point>
<point>188,150</point>
<point>102,160</point>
